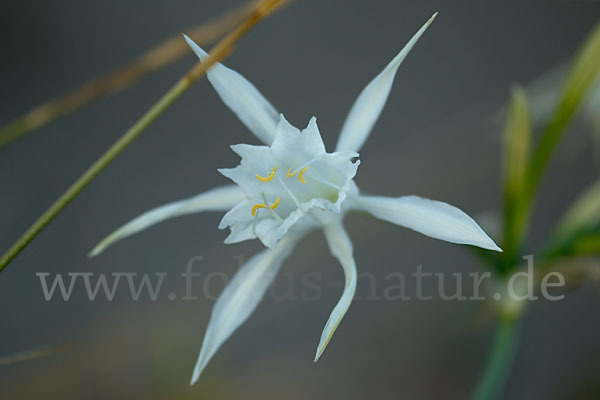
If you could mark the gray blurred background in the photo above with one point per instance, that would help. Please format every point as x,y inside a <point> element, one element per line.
<point>437,137</point>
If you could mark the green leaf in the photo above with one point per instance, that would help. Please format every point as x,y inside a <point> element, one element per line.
<point>517,142</point>
<point>588,244</point>
<point>578,232</point>
<point>517,139</point>
<point>584,212</point>
<point>585,241</point>
<point>582,76</point>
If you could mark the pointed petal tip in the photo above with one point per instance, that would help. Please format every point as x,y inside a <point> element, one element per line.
<point>433,218</point>
<point>198,370</point>
<point>497,248</point>
<point>200,53</point>
<point>429,21</point>
<point>483,241</point>
<point>368,106</point>
<point>93,253</point>
<point>324,341</point>
<point>319,353</point>
<point>223,171</point>
<point>283,120</point>
<point>236,149</point>
<point>189,41</point>
<point>240,298</point>
<point>99,248</point>
<point>341,248</point>
<point>490,245</point>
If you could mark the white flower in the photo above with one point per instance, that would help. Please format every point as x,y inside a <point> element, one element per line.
<point>291,186</point>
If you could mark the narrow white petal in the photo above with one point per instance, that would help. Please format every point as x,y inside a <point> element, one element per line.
<point>341,248</point>
<point>367,107</point>
<point>218,199</point>
<point>242,98</point>
<point>432,218</point>
<point>240,298</point>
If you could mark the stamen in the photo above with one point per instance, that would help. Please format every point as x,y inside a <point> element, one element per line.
<point>269,177</point>
<point>289,192</point>
<point>276,203</point>
<point>256,207</point>
<point>301,174</point>
<point>289,173</point>
<point>262,205</point>
<point>333,185</point>
<point>317,158</point>
<point>272,207</point>
<point>254,225</point>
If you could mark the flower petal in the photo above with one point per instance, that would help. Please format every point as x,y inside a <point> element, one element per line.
<point>218,199</point>
<point>341,248</point>
<point>367,107</point>
<point>240,298</point>
<point>290,139</point>
<point>241,97</point>
<point>293,176</point>
<point>432,218</point>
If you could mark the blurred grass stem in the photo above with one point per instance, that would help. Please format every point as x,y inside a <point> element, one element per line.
<point>262,9</point>
<point>34,354</point>
<point>500,360</point>
<point>158,57</point>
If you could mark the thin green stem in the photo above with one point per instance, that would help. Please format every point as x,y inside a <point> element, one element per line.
<point>500,360</point>
<point>120,145</point>
<point>14,130</point>
<point>582,76</point>
<point>220,51</point>
<point>34,354</point>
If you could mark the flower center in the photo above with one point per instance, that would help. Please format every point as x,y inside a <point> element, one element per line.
<point>289,180</point>
<point>269,178</point>
<point>291,184</point>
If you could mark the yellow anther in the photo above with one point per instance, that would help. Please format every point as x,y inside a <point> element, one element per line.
<point>289,173</point>
<point>275,203</point>
<point>256,207</point>
<point>269,177</point>
<point>301,174</point>
<point>262,205</point>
